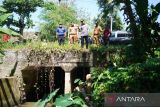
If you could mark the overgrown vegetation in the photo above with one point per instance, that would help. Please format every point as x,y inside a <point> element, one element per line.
<point>142,21</point>
<point>38,45</point>
<point>66,100</point>
<point>23,9</point>
<point>3,17</point>
<point>43,46</point>
<point>135,68</point>
<point>108,11</point>
<point>118,69</point>
<point>130,79</point>
<point>54,14</point>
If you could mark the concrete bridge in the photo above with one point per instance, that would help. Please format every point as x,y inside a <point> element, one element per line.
<point>26,65</point>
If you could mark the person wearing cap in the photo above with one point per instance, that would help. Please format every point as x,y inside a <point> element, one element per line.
<point>97,33</point>
<point>72,33</point>
<point>84,34</point>
<point>61,33</point>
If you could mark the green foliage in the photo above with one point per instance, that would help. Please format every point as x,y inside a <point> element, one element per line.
<point>49,98</point>
<point>54,14</point>
<point>69,100</point>
<point>22,8</point>
<point>3,18</point>
<point>144,26</point>
<point>127,79</point>
<point>124,78</point>
<point>43,46</point>
<point>105,56</point>
<point>78,81</point>
<point>2,9</point>
<point>66,100</point>
<point>108,9</point>
<point>37,103</point>
<point>157,52</point>
<point>142,21</point>
<point>9,31</point>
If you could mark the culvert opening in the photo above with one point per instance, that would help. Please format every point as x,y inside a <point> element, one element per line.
<point>40,81</point>
<point>59,79</point>
<point>78,73</point>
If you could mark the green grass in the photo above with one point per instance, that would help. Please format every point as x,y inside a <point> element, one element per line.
<point>43,46</point>
<point>39,45</point>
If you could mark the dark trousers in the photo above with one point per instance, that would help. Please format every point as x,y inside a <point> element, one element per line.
<point>105,40</point>
<point>61,40</point>
<point>84,38</point>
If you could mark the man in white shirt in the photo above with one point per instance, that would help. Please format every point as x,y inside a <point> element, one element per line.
<point>84,34</point>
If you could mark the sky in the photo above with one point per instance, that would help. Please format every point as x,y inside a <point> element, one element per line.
<point>89,6</point>
<point>92,7</point>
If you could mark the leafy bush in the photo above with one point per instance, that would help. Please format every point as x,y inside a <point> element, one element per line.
<point>48,99</point>
<point>3,18</point>
<point>62,14</point>
<point>136,78</point>
<point>66,100</point>
<point>105,56</point>
<point>69,100</point>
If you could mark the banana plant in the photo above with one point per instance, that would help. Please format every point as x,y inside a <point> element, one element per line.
<point>3,17</point>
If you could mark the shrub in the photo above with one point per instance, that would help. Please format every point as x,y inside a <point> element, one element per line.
<point>136,78</point>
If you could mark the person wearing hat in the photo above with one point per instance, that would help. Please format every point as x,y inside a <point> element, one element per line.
<point>61,33</point>
<point>84,34</point>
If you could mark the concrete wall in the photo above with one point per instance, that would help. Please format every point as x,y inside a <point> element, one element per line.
<point>9,92</point>
<point>16,61</point>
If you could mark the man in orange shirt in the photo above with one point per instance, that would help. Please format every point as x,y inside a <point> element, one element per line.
<point>72,33</point>
<point>96,34</point>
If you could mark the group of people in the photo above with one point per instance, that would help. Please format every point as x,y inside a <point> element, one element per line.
<point>76,33</point>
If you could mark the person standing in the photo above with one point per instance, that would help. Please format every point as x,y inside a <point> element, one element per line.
<point>61,33</point>
<point>106,34</point>
<point>96,34</point>
<point>72,33</point>
<point>84,34</point>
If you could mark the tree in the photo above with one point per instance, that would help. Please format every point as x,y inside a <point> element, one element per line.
<point>141,19</point>
<point>23,8</point>
<point>54,14</point>
<point>108,10</point>
<point>106,20</point>
<point>66,2</point>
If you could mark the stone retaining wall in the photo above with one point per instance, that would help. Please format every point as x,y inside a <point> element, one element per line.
<point>15,61</point>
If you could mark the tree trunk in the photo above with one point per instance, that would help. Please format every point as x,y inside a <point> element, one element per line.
<point>138,48</point>
<point>21,24</point>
